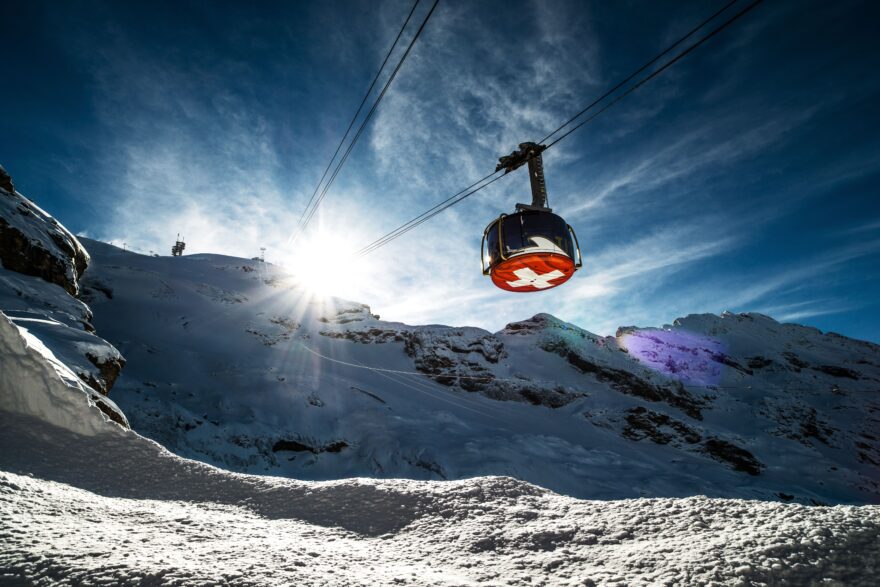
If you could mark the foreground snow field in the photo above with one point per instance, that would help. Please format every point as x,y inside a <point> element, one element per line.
<point>117,509</point>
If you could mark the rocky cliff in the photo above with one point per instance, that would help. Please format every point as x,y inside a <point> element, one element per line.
<point>42,263</point>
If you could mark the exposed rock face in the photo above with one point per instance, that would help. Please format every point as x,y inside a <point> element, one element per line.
<point>42,263</point>
<point>347,312</point>
<point>6,181</point>
<point>112,412</point>
<point>300,446</point>
<point>109,367</point>
<point>465,358</point>
<point>662,429</point>
<point>739,458</point>
<point>659,428</point>
<point>601,359</point>
<point>33,243</point>
<point>627,382</point>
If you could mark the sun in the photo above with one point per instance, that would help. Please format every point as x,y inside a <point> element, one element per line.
<point>327,264</point>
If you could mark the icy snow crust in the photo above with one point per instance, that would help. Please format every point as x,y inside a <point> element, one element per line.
<point>487,531</point>
<point>232,363</point>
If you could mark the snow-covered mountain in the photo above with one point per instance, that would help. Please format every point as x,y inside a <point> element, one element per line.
<point>230,361</point>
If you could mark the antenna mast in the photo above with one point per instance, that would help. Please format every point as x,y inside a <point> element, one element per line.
<point>179,245</point>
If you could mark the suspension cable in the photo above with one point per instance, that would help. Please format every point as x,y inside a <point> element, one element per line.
<point>656,72</point>
<point>367,118</point>
<point>353,119</point>
<point>654,60</point>
<point>427,215</point>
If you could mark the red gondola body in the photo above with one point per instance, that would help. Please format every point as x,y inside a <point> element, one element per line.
<point>530,251</point>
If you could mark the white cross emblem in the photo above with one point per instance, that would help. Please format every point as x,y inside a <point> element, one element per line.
<point>528,277</point>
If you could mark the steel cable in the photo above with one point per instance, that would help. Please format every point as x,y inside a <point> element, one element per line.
<point>460,196</point>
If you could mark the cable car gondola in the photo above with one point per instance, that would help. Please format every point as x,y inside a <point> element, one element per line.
<point>532,249</point>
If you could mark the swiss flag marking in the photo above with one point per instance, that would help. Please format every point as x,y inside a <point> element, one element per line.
<point>529,277</point>
<point>533,272</point>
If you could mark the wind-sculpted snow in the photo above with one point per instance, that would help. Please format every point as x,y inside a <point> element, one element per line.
<point>61,323</point>
<point>34,382</point>
<point>116,509</point>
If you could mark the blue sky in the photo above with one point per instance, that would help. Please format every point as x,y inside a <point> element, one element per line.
<point>744,179</point>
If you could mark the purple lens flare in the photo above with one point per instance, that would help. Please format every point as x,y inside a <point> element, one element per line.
<point>688,357</point>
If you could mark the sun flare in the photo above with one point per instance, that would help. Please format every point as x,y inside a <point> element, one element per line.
<point>327,264</point>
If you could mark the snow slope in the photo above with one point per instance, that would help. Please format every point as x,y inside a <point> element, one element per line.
<point>233,363</point>
<point>84,501</point>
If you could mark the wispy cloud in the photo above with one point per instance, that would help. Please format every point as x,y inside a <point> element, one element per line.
<point>709,146</point>
<point>658,193</point>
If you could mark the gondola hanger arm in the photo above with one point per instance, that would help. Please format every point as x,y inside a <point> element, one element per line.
<point>528,153</point>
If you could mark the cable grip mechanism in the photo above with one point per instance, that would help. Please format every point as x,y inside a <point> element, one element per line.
<point>528,153</point>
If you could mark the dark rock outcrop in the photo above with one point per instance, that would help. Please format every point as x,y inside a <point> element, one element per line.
<point>298,446</point>
<point>456,357</point>
<point>626,382</point>
<point>738,458</point>
<point>6,181</point>
<point>109,368</point>
<point>33,243</point>
<point>659,428</point>
<point>837,371</point>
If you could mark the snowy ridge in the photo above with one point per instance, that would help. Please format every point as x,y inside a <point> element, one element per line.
<point>234,363</point>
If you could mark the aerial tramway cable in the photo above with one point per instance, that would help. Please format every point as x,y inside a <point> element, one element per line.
<point>482,183</point>
<point>310,214</point>
<point>353,120</point>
